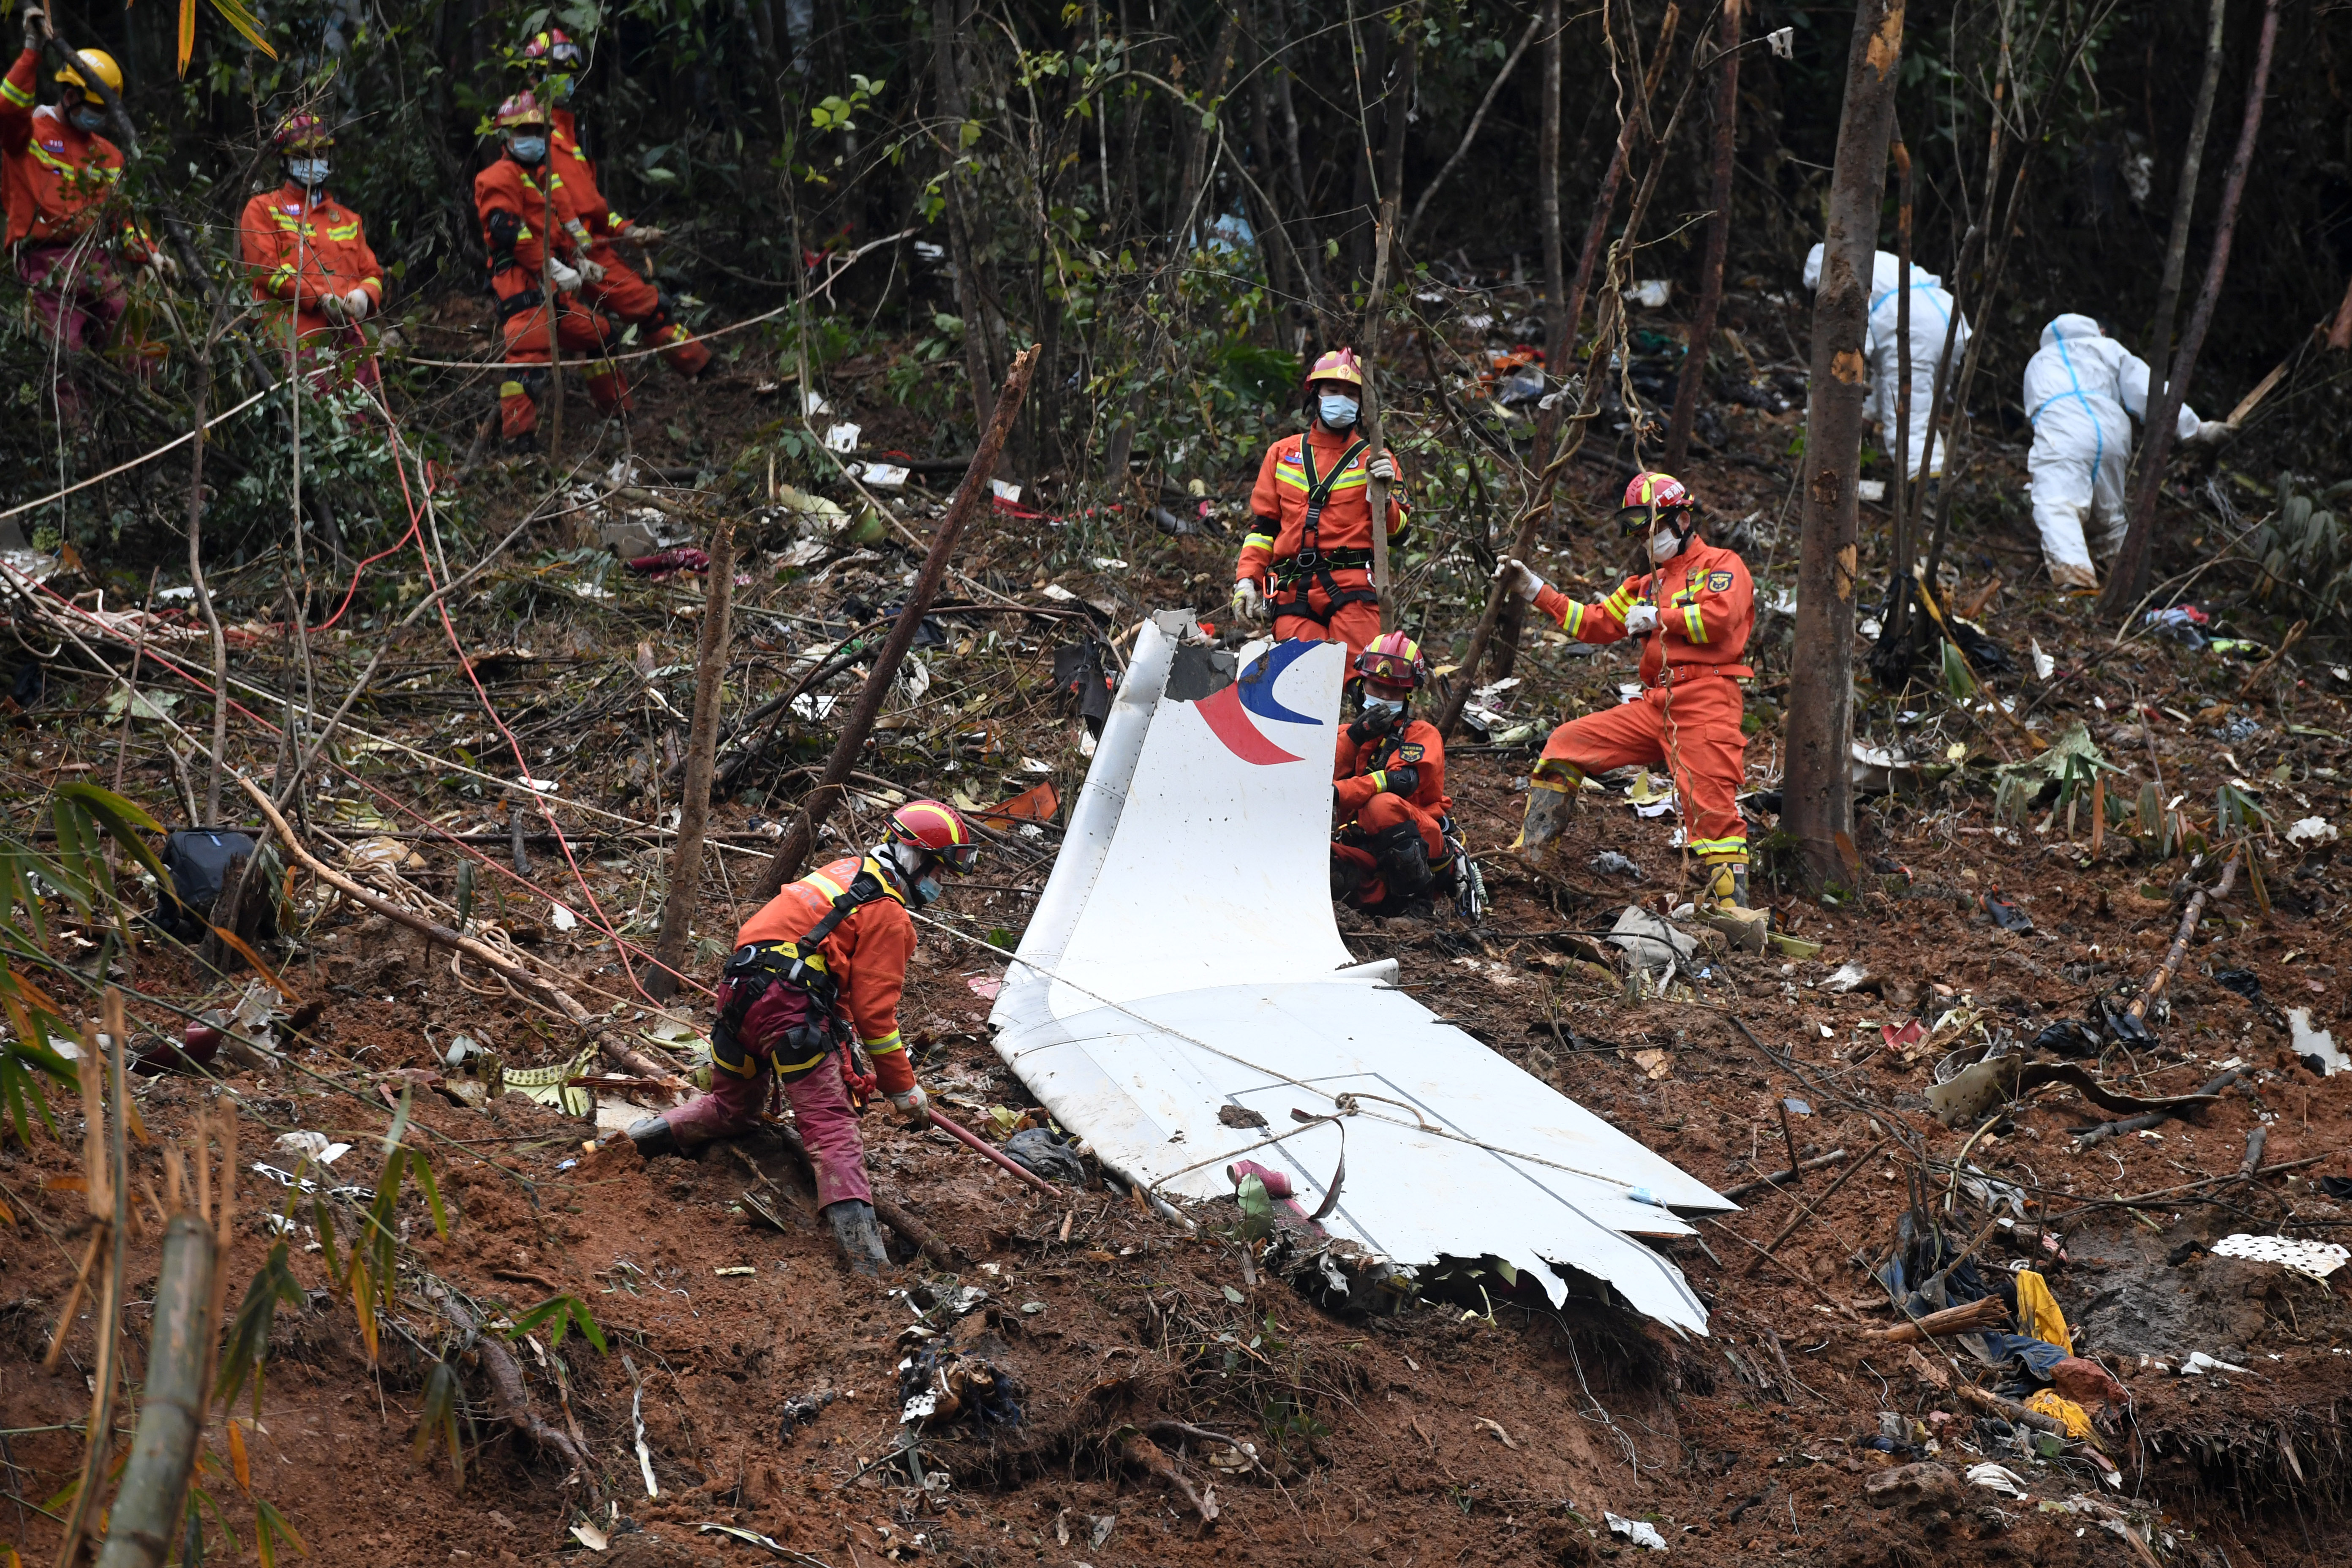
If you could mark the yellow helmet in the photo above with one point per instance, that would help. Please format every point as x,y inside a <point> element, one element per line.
<point>99,63</point>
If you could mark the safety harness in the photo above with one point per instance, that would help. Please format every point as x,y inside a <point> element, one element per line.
<point>800,993</point>
<point>1298,574</point>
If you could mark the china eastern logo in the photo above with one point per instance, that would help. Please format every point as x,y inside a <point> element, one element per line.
<point>1229,711</point>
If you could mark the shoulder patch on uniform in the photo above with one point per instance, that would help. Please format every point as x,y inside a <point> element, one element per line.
<point>1409,754</point>
<point>1718,582</point>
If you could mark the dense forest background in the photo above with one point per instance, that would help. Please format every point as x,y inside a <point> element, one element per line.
<point>1176,200</point>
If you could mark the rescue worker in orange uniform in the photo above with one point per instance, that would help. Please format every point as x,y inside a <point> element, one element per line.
<point>824,959</point>
<point>307,251</point>
<point>1388,791</point>
<point>1307,558</point>
<point>56,176</point>
<point>1693,611</point>
<point>554,62</point>
<point>527,218</point>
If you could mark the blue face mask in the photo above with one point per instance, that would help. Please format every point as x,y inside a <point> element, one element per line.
<point>86,117</point>
<point>558,89</point>
<point>1338,412</point>
<point>311,172</point>
<point>1380,708</point>
<point>927,891</point>
<point>527,149</point>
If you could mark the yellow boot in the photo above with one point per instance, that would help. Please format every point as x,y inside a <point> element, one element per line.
<point>1723,902</point>
<point>1548,793</point>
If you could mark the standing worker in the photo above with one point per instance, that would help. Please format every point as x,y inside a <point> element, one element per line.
<point>1388,791</point>
<point>826,955</point>
<point>2083,390</point>
<point>517,197</point>
<point>1931,313</point>
<point>1309,558</point>
<point>554,62</point>
<point>1693,611</point>
<point>56,176</point>
<point>308,253</point>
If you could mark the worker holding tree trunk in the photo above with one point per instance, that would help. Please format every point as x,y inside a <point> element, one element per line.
<point>1932,306</point>
<point>554,62</point>
<point>2083,390</point>
<point>307,254</point>
<point>1309,556</point>
<point>1389,845</point>
<point>58,177</point>
<point>1694,611</point>
<point>528,228</point>
<point>821,963</point>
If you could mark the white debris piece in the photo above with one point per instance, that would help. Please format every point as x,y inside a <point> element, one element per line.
<point>1211,816</point>
<point>561,918</point>
<point>2316,1259</point>
<point>2044,667</point>
<point>2312,830</point>
<point>1638,1532</point>
<point>1995,1478</point>
<point>2315,1044</point>
<point>2198,1363</point>
<point>841,437</point>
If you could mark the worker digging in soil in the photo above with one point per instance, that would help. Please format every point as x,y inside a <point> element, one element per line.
<point>527,222</point>
<point>825,957</point>
<point>307,254</point>
<point>1390,847</point>
<point>1694,611</point>
<point>1307,558</point>
<point>57,177</point>
<point>2083,390</point>
<point>554,62</point>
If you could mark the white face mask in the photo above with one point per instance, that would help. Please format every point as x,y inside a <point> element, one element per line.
<point>1338,413</point>
<point>1665,545</point>
<point>311,172</point>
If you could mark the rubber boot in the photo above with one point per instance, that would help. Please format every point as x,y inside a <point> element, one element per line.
<point>1723,902</point>
<point>653,1136</point>
<point>1547,814</point>
<point>860,1237</point>
<point>1403,860</point>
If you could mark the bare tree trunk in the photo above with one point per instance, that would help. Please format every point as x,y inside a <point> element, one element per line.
<point>701,746</point>
<point>2127,579</point>
<point>970,496</point>
<point>2184,203</point>
<point>1718,243</point>
<point>1818,806</point>
<point>1376,490</point>
<point>1396,108</point>
<point>1312,251</point>
<point>1900,156</point>
<point>1548,17</point>
<point>205,604</point>
<point>947,46</point>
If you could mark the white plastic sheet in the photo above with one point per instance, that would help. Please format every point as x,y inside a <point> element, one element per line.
<point>1184,958</point>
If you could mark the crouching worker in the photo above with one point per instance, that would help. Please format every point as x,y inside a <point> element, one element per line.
<point>1693,612</point>
<point>825,957</point>
<point>1389,851</point>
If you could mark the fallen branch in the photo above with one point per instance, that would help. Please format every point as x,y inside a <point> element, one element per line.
<point>2010,1410</point>
<point>1203,1435</point>
<point>2162,978</point>
<point>1806,1211</point>
<point>2105,1129</point>
<point>2255,1138</point>
<point>1144,1454</point>
<point>506,1380</point>
<point>1817,1162</point>
<point>1971,1317</point>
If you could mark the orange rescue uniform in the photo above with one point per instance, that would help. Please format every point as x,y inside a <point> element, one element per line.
<point>54,177</point>
<point>1316,571</point>
<point>1367,805</point>
<point>514,208</point>
<point>867,954</point>
<point>1688,714</point>
<point>622,290</point>
<point>300,247</point>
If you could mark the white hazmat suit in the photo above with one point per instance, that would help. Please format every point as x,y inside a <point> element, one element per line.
<point>1931,313</point>
<point>2083,390</point>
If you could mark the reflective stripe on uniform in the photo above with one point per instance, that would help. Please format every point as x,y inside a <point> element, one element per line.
<point>1733,850</point>
<point>885,1045</point>
<point>16,95</point>
<point>1694,628</point>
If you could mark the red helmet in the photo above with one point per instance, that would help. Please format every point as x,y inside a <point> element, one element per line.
<point>1339,364</point>
<point>522,109</point>
<point>936,829</point>
<point>296,132</point>
<point>553,46</point>
<point>1394,660</point>
<point>1650,496</point>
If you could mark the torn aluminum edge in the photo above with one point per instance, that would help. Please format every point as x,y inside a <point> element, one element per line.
<point>1184,959</point>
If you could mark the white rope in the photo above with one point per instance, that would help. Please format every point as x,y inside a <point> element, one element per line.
<point>608,359</point>
<point>176,442</point>
<point>1349,1104</point>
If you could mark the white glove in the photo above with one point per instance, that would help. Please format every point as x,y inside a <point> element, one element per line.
<point>1249,600</point>
<point>1520,578</point>
<point>561,276</point>
<point>2211,433</point>
<point>914,1107</point>
<point>37,27</point>
<point>162,266</point>
<point>642,234</point>
<point>593,271</point>
<point>335,307</point>
<point>1383,468</point>
<point>356,304</point>
<point>1641,620</point>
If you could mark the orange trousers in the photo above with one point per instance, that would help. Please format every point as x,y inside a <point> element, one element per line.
<point>1356,624</point>
<point>1692,727</point>
<point>1384,811</point>
<point>624,292</point>
<point>579,332</point>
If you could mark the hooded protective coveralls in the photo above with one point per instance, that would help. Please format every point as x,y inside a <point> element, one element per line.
<point>1931,313</point>
<point>2082,392</point>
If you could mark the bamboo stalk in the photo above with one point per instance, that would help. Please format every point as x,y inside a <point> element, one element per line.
<point>701,748</point>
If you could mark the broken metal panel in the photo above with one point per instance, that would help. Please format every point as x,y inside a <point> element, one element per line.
<point>1196,968</point>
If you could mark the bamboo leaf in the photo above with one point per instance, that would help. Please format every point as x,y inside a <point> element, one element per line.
<point>187,33</point>
<point>239,1466</point>
<point>247,1353</point>
<point>444,1393</point>
<point>588,1325</point>
<point>423,1170</point>
<point>363,1303</point>
<point>269,1526</point>
<point>199,1499</point>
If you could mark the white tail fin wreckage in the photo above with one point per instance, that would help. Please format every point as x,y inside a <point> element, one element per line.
<point>1183,962</point>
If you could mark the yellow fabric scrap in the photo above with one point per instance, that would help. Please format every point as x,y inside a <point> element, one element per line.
<point>2038,1313</point>
<point>2066,1412</point>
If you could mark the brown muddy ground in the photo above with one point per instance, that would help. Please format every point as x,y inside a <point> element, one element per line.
<point>1490,1430</point>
